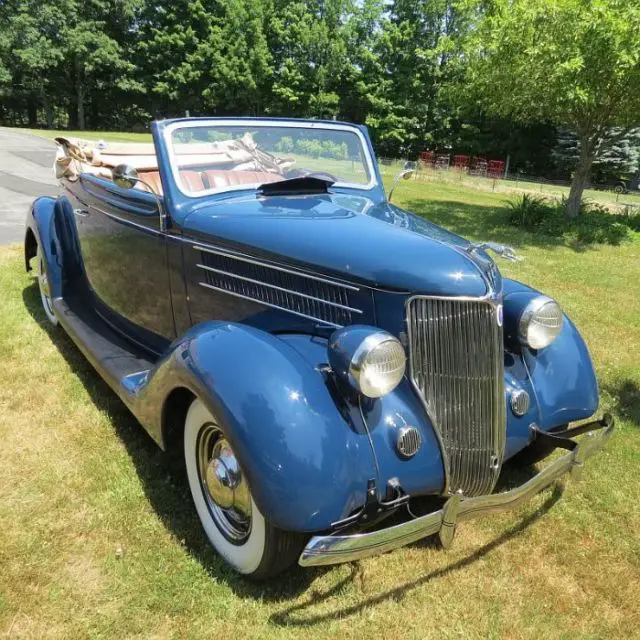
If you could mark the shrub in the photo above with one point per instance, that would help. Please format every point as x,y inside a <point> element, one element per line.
<point>530,212</point>
<point>284,145</point>
<point>594,224</point>
<point>307,147</point>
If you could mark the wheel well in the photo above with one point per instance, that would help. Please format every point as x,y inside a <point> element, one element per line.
<point>30,248</point>
<point>174,413</point>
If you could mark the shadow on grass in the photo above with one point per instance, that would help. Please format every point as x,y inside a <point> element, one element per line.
<point>626,400</point>
<point>288,617</point>
<point>162,474</point>
<point>492,223</point>
<point>164,481</point>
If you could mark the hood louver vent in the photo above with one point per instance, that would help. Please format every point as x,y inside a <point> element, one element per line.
<point>305,295</point>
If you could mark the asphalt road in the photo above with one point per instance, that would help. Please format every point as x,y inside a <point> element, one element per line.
<point>26,172</point>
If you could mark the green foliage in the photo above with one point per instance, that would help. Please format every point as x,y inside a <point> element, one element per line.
<point>595,224</point>
<point>573,63</point>
<point>529,212</point>
<point>490,78</point>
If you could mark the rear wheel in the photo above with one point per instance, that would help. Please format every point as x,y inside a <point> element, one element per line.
<point>229,515</point>
<point>43,285</point>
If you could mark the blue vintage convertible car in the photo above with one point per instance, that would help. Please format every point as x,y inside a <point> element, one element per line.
<point>326,359</point>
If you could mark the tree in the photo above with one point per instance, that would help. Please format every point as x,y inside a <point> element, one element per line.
<point>617,161</point>
<point>574,63</point>
<point>308,43</point>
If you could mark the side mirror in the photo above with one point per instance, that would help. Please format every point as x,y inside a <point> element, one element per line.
<point>405,174</point>
<point>125,176</point>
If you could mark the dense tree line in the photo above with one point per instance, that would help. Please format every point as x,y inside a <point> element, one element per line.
<point>422,74</point>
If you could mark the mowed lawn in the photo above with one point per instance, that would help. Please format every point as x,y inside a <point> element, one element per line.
<point>99,538</point>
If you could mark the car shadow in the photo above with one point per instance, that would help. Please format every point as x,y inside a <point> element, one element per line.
<point>162,474</point>
<point>294,616</point>
<point>165,485</point>
<point>625,396</point>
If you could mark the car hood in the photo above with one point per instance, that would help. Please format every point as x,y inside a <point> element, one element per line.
<point>345,236</point>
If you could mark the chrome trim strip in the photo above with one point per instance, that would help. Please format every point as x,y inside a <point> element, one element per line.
<point>268,304</point>
<point>129,223</point>
<point>490,298</point>
<point>333,549</point>
<point>273,286</point>
<point>267,265</point>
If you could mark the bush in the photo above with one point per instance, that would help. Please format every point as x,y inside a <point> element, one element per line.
<point>595,224</point>
<point>530,212</point>
<point>284,145</point>
<point>307,147</point>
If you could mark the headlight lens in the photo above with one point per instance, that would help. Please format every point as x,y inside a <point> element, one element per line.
<point>540,322</point>
<point>378,365</point>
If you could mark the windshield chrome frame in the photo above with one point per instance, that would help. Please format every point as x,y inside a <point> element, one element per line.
<point>292,124</point>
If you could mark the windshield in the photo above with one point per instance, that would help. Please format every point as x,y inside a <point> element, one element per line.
<point>210,157</point>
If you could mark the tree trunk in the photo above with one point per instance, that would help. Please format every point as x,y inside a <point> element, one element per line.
<point>48,110</point>
<point>32,112</point>
<point>580,177</point>
<point>80,93</point>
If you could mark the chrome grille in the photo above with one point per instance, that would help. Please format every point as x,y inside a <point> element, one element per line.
<point>305,295</point>
<point>457,365</point>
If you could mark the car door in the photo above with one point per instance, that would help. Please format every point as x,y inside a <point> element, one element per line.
<point>124,252</point>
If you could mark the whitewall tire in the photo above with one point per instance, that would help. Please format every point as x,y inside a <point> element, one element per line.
<point>43,285</point>
<point>229,515</point>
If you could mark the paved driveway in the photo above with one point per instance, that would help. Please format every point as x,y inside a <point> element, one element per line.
<point>26,171</point>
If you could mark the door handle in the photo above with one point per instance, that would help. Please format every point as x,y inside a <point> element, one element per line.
<point>82,213</point>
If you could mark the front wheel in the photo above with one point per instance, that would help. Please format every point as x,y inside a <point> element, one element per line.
<point>229,515</point>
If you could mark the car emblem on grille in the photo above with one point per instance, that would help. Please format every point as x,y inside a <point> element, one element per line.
<point>499,315</point>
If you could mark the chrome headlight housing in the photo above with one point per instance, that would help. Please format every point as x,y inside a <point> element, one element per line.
<point>371,360</point>
<point>540,323</point>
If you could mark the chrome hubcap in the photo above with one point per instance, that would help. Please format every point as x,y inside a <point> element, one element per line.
<point>223,485</point>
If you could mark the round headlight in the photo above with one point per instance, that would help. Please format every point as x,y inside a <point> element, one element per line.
<point>370,360</point>
<point>378,365</point>
<point>540,322</point>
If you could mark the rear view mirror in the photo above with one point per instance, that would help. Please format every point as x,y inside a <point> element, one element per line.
<point>125,176</point>
<point>405,174</point>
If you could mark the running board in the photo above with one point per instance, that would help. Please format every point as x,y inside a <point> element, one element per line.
<point>115,360</point>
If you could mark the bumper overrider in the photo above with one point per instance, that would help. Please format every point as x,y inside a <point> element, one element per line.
<point>334,549</point>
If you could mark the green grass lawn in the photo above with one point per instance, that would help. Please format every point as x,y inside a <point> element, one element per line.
<point>99,538</point>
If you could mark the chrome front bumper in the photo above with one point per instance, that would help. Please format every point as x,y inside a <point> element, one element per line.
<point>333,549</point>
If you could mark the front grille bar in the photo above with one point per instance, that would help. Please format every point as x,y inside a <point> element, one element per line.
<point>456,362</point>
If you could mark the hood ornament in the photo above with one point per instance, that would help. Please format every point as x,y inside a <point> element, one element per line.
<point>502,250</point>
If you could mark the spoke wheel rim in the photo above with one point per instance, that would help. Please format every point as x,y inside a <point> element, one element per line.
<point>223,484</point>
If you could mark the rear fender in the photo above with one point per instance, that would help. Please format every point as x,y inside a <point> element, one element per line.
<point>306,465</point>
<point>41,227</point>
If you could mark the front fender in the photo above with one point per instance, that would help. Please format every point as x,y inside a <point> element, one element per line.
<point>562,375</point>
<point>307,467</point>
